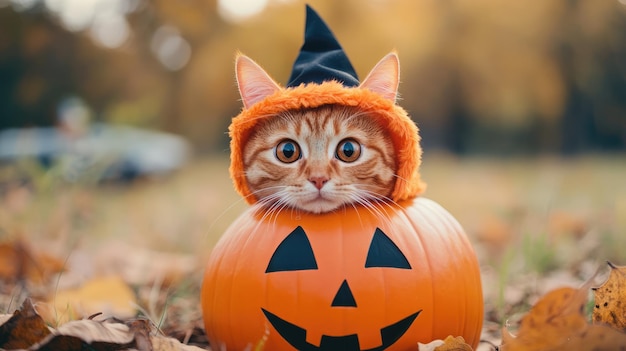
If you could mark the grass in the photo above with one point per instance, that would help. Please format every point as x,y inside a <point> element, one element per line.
<point>531,220</point>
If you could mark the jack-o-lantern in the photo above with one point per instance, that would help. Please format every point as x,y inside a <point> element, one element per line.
<point>345,280</point>
<point>382,277</point>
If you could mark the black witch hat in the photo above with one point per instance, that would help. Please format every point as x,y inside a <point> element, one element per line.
<point>321,57</point>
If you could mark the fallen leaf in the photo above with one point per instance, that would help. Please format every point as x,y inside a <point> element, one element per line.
<point>110,296</point>
<point>495,232</point>
<point>4,318</point>
<point>26,331</point>
<point>610,299</point>
<point>23,329</point>
<point>90,331</point>
<point>160,343</point>
<point>454,344</point>
<point>19,262</point>
<point>557,322</point>
<point>431,346</point>
<point>562,224</point>
<point>141,266</point>
<point>141,330</point>
<point>87,334</point>
<point>449,344</point>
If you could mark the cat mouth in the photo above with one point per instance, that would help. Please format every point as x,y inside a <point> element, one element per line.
<point>296,336</point>
<point>320,202</point>
<point>319,196</point>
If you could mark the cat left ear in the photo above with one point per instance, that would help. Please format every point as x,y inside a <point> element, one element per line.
<point>384,77</point>
<point>253,82</point>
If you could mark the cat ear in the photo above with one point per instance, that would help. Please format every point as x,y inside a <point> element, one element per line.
<point>253,82</point>
<point>384,77</point>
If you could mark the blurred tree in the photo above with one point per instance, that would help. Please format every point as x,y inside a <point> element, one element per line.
<point>477,75</point>
<point>35,70</point>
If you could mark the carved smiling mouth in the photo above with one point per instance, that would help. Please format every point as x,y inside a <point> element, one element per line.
<point>296,336</point>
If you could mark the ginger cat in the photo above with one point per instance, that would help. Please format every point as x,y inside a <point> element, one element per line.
<point>321,159</point>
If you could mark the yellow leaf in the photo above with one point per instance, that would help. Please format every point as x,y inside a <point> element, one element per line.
<point>610,298</point>
<point>108,295</point>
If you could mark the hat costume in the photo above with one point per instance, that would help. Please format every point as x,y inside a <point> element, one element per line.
<point>323,75</point>
<point>364,277</point>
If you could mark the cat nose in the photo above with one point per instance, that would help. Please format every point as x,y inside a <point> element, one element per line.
<point>318,181</point>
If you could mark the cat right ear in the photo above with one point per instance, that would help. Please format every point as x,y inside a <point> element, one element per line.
<point>384,77</point>
<point>253,82</point>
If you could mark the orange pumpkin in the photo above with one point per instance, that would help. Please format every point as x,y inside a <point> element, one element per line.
<point>355,279</point>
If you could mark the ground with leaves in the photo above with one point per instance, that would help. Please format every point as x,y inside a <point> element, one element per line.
<point>131,256</point>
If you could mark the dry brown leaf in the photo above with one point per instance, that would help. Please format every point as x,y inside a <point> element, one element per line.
<point>91,331</point>
<point>610,299</point>
<point>557,322</point>
<point>160,343</point>
<point>19,262</point>
<point>558,312</point>
<point>141,329</point>
<point>147,340</point>
<point>26,330</point>
<point>562,224</point>
<point>110,296</point>
<point>449,344</point>
<point>23,329</point>
<point>495,232</point>
<point>87,334</point>
<point>454,344</point>
<point>431,346</point>
<point>141,266</point>
<point>4,318</point>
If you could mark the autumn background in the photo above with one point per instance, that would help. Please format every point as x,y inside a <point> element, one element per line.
<point>521,106</point>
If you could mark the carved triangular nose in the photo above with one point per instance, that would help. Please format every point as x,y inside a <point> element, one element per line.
<point>344,297</point>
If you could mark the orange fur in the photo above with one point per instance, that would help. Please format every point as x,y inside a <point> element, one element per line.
<point>403,131</point>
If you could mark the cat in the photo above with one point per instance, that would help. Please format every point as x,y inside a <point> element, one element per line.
<point>321,159</point>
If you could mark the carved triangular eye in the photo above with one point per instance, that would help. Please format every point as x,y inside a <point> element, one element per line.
<point>294,253</point>
<point>385,253</point>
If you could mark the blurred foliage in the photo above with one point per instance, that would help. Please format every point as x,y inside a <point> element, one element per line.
<point>479,76</point>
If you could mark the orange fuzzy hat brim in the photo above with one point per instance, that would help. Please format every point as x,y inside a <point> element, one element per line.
<point>403,131</point>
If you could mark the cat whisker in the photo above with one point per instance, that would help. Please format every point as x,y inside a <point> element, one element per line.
<point>275,203</point>
<point>401,178</point>
<point>365,201</point>
<point>312,130</point>
<point>374,203</point>
<point>269,212</point>
<point>261,117</point>
<point>269,198</point>
<point>350,115</point>
<point>274,210</point>
<point>214,222</point>
<point>288,117</point>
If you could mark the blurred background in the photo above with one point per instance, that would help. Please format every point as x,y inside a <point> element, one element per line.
<point>478,76</point>
<point>113,120</point>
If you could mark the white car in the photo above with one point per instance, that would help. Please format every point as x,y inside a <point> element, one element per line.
<point>100,152</point>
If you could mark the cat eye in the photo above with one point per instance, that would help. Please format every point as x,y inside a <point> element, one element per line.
<point>288,151</point>
<point>348,150</point>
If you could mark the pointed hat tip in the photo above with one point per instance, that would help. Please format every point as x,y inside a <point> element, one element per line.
<point>321,57</point>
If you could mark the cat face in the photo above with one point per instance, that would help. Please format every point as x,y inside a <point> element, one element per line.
<point>318,160</point>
